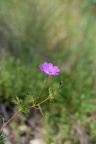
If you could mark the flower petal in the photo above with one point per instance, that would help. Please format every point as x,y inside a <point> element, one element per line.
<point>49,69</point>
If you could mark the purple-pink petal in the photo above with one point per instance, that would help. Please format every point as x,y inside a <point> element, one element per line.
<point>56,69</point>
<point>49,69</point>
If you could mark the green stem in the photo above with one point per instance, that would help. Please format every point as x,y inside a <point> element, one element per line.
<point>43,86</point>
<point>4,124</point>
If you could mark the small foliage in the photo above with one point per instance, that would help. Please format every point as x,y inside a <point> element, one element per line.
<point>30,99</point>
<point>53,93</point>
<point>40,108</point>
<point>20,105</point>
<point>1,138</point>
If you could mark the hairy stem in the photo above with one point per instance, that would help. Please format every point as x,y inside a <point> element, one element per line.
<point>38,103</point>
<point>43,86</point>
<point>4,124</point>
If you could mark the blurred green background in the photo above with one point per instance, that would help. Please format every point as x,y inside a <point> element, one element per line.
<point>62,32</point>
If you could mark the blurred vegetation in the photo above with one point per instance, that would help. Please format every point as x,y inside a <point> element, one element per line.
<point>1,138</point>
<point>62,32</point>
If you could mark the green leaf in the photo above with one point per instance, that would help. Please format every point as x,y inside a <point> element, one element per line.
<point>30,99</point>
<point>17,101</point>
<point>53,93</point>
<point>40,109</point>
<point>1,138</point>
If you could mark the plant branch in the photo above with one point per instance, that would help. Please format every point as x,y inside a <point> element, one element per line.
<point>34,105</point>
<point>4,124</point>
<point>38,103</point>
<point>16,113</point>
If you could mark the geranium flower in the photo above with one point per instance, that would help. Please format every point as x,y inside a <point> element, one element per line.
<point>49,69</point>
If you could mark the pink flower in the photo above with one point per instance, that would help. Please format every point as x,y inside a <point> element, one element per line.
<point>49,69</point>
